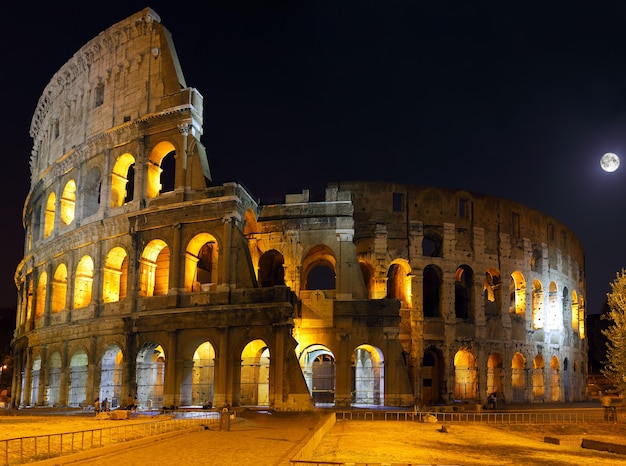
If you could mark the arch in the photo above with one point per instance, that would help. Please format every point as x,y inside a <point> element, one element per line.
<point>368,277</point>
<point>495,375</point>
<point>555,379</point>
<point>150,376</point>
<point>368,368</point>
<point>154,269</point>
<point>463,292</point>
<point>199,377</point>
<point>319,268</point>
<point>122,180</point>
<point>201,262</point>
<point>59,289</point>
<point>465,375</point>
<point>555,319</point>
<point>83,282</point>
<point>255,374</point>
<point>537,304</point>
<point>115,275</point>
<point>77,394</point>
<point>492,290</point>
<point>161,173</point>
<point>399,283</point>
<point>68,202</point>
<point>53,382</point>
<point>433,279</point>
<point>518,377</point>
<point>271,269</point>
<point>517,304</point>
<point>538,378</point>
<point>432,244</point>
<point>91,194</point>
<point>432,376</point>
<point>35,381</point>
<point>111,375</point>
<point>318,367</point>
<point>42,284</point>
<point>575,311</point>
<point>48,224</point>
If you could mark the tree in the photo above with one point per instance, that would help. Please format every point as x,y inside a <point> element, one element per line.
<point>615,365</point>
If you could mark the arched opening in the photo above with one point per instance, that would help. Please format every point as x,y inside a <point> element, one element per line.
<point>271,269</point>
<point>201,263</point>
<point>78,380</point>
<point>517,303</point>
<point>495,375</point>
<point>463,292</point>
<point>68,202</point>
<point>537,304</point>
<point>53,384</point>
<point>150,376</point>
<point>318,367</point>
<point>161,170</point>
<point>465,376</point>
<point>48,225</point>
<point>518,378</point>
<point>115,275</point>
<point>318,269</point>
<point>111,376</point>
<point>83,282</point>
<point>199,377</point>
<point>538,379</point>
<point>59,289</point>
<point>42,284</point>
<point>432,376</point>
<point>35,380</point>
<point>154,269</point>
<point>255,374</point>
<point>368,376</point>
<point>122,180</point>
<point>432,291</point>
<point>555,379</point>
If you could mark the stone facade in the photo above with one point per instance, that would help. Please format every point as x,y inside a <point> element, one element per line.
<point>140,277</point>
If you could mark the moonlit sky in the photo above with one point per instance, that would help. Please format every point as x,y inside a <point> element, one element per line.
<point>512,99</point>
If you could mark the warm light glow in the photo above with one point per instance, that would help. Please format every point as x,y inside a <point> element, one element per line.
<point>68,203</point>
<point>154,168</point>
<point>50,213</point>
<point>83,282</point>
<point>119,179</point>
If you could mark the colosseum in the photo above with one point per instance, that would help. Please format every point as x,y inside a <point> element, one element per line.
<point>141,278</point>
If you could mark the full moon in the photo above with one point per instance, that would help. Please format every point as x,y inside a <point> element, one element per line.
<point>609,162</point>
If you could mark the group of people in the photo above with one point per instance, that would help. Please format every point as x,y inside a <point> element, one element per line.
<point>104,406</point>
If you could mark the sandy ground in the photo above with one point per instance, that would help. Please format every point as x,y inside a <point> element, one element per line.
<point>272,439</point>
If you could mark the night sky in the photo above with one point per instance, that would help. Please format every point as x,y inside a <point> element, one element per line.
<point>512,99</point>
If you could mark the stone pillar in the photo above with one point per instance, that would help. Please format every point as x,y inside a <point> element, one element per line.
<point>343,371</point>
<point>220,390</point>
<point>170,391</point>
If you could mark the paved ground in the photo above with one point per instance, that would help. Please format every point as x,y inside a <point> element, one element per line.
<point>272,439</point>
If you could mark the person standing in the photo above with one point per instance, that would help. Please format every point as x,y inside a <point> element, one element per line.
<point>96,406</point>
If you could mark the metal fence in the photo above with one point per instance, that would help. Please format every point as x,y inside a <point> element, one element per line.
<point>35,448</point>
<point>506,417</point>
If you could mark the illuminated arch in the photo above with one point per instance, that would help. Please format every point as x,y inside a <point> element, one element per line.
<point>115,275</point>
<point>77,393</point>
<point>518,377</point>
<point>575,311</point>
<point>122,178</point>
<point>83,282</point>
<point>537,304</point>
<point>517,304</point>
<point>40,306</point>
<point>255,374</point>
<point>555,319</point>
<point>399,283</point>
<point>35,376</point>
<point>271,269</point>
<point>201,262</point>
<point>319,268</point>
<point>111,375</point>
<point>368,366</point>
<point>68,202</point>
<point>538,378</point>
<point>465,375</point>
<point>199,377</point>
<point>495,375</point>
<point>59,289</point>
<point>318,367</point>
<point>155,163</point>
<point>150,376</point>
<point>154,269</point>
<point>555,379</point>
<point>48,225</point>
<point>53,381</point>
